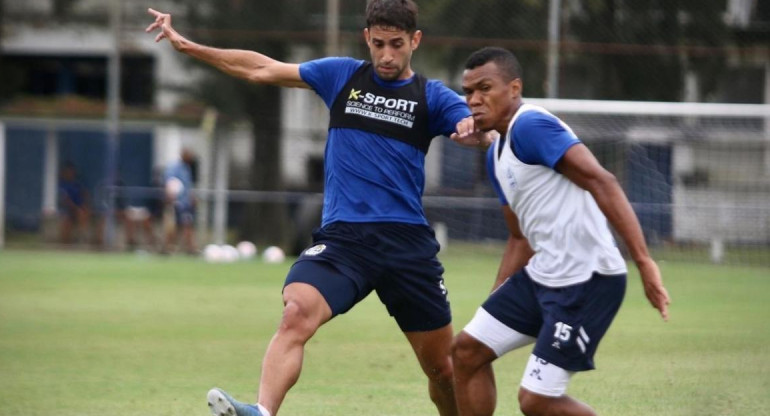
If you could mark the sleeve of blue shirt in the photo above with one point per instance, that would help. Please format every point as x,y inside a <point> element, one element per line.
<point>445,108</point>
<point>492,177</point>
<point>541,139</point>
<point>327,76</point>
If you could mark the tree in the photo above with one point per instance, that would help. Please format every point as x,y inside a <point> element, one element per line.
<point>519,26</point>
<point>624,49</point>
<point>645,47</point>
<point>62,8</point>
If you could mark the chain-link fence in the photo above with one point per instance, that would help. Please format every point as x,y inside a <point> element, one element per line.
<point>54,63</point>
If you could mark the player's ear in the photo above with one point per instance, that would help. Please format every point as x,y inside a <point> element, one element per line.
<point>515,87</point>
<point>416,38</point>
<point>366,35</point>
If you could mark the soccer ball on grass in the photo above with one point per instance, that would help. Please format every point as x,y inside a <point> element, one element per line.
<point>246,250</point>
<point>273,254</point>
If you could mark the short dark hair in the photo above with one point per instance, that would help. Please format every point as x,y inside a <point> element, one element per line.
<point>401,14</point>
<point>504,59</point>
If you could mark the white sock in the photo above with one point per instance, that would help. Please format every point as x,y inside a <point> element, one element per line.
<point>262,410</point>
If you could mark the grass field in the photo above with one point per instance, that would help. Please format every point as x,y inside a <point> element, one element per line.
<point>85,334</point>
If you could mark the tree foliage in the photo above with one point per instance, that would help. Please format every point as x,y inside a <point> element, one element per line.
<point>611,49</point>
<point>518,25</point>
<point>648,45</point>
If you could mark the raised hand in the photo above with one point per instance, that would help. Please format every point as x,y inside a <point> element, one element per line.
<point>163,21</point>
<point>467,135</point>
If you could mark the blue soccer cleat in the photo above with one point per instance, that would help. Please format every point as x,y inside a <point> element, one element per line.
<point>221,404</point>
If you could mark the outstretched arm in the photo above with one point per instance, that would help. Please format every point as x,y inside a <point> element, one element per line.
<point>581,167</point>
<point>248,65</point>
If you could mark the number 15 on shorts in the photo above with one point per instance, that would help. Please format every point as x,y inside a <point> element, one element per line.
<point>563,331</point>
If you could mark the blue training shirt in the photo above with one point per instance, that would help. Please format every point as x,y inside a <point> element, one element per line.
<point>370,177</point>
<point>181,171</point>
<point>537,138</point>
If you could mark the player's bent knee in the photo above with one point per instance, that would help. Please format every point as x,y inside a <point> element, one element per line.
<point>298,320</point>
<point>468,351</point>
<point>462,347</point>
<point>436,364</point>
<point>532,404</point>
<point>441,372</point>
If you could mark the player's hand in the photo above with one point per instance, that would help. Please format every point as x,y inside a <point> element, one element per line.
<point>653,286</point>
<point>466,134</point>
<point>163,21</point>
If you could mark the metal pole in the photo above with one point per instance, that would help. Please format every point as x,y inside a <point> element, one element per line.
<point>2,185</point>
<point>50,182</point>
<point>113,121</point>
<point>208,126</point>
<point>50,172</point>
<point>220,190</point>
<point>767,119</point>
<point>554,22</point>
<point>332,27</point>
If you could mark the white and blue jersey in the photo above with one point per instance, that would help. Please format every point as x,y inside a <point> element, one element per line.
<point>369,176</point>
<point>562,222</point>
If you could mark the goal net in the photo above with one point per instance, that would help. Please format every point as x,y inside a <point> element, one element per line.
<point>697,175</point>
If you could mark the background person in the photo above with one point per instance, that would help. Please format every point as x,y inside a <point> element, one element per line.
<point>142,212</point>
<point>179,208</point>
<point>73,205</point>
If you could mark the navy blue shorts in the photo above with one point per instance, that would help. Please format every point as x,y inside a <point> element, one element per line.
<point>398,261</point>
<point>185,214</point>
<point>568,322</point>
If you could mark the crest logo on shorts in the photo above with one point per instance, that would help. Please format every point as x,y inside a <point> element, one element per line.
<point>442,287</point>
<point>315,250</point>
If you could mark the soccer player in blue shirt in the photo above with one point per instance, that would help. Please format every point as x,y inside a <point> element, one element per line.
<point>561,279</point>
<point>182,202</point>
<point>374,235</point>
<point>73,204</point>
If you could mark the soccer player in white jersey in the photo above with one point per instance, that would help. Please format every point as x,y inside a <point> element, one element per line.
<point>562,278</point>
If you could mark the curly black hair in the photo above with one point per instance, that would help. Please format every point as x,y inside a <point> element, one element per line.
<point>504,59</point>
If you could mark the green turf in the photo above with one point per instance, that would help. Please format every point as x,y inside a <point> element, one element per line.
<point>117,334</point>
